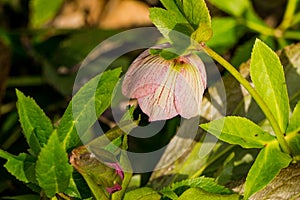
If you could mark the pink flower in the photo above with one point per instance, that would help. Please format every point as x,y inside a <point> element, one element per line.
<point>166,88</point>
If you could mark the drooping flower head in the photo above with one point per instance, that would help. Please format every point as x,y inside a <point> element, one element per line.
<point>166,88</point>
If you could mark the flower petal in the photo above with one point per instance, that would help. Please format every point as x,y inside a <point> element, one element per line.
<point>190,86</point>
<point>144,75</point>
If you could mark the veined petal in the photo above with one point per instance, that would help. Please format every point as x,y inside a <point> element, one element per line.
<point>190,86</point>
<point>160,104</point>
<point>144,75</point>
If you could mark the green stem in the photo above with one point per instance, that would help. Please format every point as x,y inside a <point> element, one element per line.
<point>265,30</point>
<point>288,15</point>
<point>253,93</point>
<point>292,35</point>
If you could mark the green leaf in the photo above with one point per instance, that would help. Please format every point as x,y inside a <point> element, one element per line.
<point>166,21</point>
<point>197,193</point>
<point>233,7</point>
<point>188,17</point>
<point>21,166</point>
<point>267,75</point>
<point>86,106</point>
<point>225,34</point>
<point>294,125</point>
<point>43,11</point>
<point>238,130</point>
<point>206,184</point>
<point>53,171</point>
<point>36,126</point>
<point>293,140</point>
<point>144,193</point>
<point>267,165</point>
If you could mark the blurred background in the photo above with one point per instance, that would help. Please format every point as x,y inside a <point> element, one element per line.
<point>42,44</point>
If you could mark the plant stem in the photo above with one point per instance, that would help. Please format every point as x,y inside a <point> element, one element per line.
<point>292,35</point>
<point>265,30</point>
<point>288,15</point>
<point>253,93</point>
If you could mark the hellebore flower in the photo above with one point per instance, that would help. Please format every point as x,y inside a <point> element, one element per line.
<point>166,88</point>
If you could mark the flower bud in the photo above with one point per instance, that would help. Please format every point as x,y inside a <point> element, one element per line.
<point>102,169</point>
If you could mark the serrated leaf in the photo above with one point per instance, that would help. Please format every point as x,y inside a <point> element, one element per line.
<point>167,192</point>
<point>43,11</point>
<point>88,104</point>
<point>238,130</point>
<point>267,165</point>
<point>268,78</point>
<point>233,7</point>
<point>144,193</point>
<point>205,183</point>
<point>188,17</point>
<point>53,171</point>
<point>294,124</point>
<point>166,21</point>
<point>197,193</point>
<point>36,126</point>
<point>21,166</point>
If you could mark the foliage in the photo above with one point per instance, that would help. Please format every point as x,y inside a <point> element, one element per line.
<point>257,139</point>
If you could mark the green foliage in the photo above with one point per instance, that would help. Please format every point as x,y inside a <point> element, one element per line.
<point>230,32</point>
<point>197,193</point>
<point>53,171</point>
<point>203,183</point>
<point>21,166</point>
<point>36,126</point>
<point>45,168</point>
<point>294,125</point>
<point>144,193</point>
<point>42,11</point>
<point>267,165</point>
<point>238,130</point>
<point>236,8</point>
<point>184,17</point>
<point>268,78</point>
<point>89,103</point>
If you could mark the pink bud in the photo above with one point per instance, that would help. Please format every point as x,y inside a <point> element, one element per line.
<point>114,188</point>
<point>166,88</point>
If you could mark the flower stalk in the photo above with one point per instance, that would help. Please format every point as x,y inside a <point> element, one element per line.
<point>253,93</point>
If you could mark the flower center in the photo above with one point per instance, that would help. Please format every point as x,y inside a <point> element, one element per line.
<point>178,64</point>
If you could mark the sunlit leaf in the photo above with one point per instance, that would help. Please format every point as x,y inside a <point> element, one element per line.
<point>238,130</point>
<point>197,193</point>
<point>294,124</point>
<point>267,75</point>
<point>144,193</point>
<point>267,165</point>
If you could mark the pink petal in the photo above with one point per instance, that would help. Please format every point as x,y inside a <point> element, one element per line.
<point>144,75</point>
<point>190,86</point>
<point>160,104</point>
